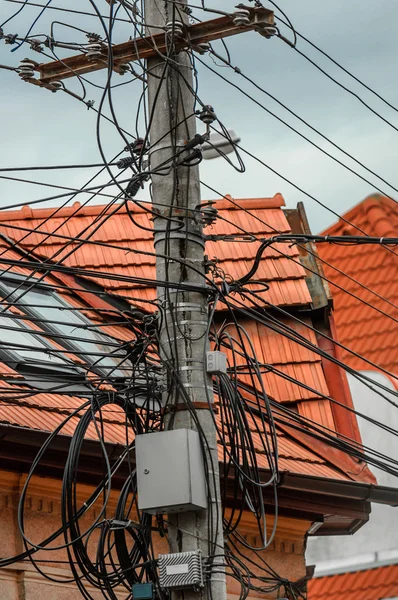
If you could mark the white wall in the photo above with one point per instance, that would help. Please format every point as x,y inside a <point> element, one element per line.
<point>380,534</point>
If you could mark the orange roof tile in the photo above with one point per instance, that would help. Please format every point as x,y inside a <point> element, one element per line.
<point>361,328</point>
<point>118,236</point>
<point>287,361</point>
<point>371,584</point>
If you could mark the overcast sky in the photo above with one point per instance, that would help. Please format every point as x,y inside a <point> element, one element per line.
<point>39,127</point>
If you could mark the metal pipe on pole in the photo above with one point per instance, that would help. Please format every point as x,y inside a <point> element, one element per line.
<point>178,235</point>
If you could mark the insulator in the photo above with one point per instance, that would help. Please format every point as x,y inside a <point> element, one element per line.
<point>125,162</point>
<point>267,31</point>
<point>241,17</point>
<point>55,86</point>
<point>26,69</point>
<point>122,69</point>
<point>175,28</point>
<point>202,48</point>
<point>94,51</point>
<point>93,37</point>
<point>208,115</point>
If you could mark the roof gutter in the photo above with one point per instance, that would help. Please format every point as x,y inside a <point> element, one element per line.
<point>354,490</point>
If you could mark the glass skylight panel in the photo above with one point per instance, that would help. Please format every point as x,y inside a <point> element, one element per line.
<point>76,331</point>
<point>25,345</point>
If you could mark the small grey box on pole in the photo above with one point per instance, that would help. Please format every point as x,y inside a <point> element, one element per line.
<point>178,236</point>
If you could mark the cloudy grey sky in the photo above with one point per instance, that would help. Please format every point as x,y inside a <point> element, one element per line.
<point>38,127</point>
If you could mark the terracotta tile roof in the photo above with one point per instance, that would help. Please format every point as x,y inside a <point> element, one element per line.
<point>285,278</point>
<point>285,362</point>
<point>371,584</point>
<point>45,412</point>
<point>361,328</point>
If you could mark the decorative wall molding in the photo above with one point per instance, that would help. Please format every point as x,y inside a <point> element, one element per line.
<point>285,553</point>
<point>44,494</point>
<point>26,573</point>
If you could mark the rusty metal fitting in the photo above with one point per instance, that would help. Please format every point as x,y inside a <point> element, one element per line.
<point>139,146</point>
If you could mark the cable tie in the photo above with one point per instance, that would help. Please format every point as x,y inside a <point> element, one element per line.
<point>381,240</point>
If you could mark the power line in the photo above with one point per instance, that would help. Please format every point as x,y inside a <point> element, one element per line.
<point>67,10</point>
<point>344,69</point>
<point>54,167</point>
<point>274,115</point>
<point>245,430</point>
<point>321,276</point>
<point>307,194</point>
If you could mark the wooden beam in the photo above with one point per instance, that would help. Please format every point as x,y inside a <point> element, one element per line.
<point>261,19</point>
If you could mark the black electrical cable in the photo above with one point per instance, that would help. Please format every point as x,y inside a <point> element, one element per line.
<point>317,146</point>
<point>68,10</point>
<point>253,237</point>
<point>346,71</point>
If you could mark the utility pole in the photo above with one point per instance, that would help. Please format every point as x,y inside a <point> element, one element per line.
<point>178,233</point>
<point>183,334</point>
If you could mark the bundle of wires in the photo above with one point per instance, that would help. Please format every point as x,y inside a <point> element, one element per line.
<point>118,548</point>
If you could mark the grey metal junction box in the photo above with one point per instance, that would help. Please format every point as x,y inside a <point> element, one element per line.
<point>170,472</point>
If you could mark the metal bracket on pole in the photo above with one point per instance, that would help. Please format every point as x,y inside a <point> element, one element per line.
<point>194,36</point>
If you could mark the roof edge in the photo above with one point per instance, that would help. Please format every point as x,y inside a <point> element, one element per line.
<point>226,202</point>
<point>230,203</point>
<point>373,200</point>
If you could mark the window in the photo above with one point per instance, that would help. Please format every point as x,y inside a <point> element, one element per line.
<point>34,358</point>
<point>28,347</point>
<point>72,330</point>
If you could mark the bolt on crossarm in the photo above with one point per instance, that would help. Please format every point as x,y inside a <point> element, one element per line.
<point>178,235</point>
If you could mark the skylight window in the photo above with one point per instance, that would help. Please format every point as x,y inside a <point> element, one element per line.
<point>75,332</point>
<point>34,358</point>
<point>28,347</point>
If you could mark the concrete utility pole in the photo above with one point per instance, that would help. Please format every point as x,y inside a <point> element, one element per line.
<point>184,337</point>
<point>178,231</point>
